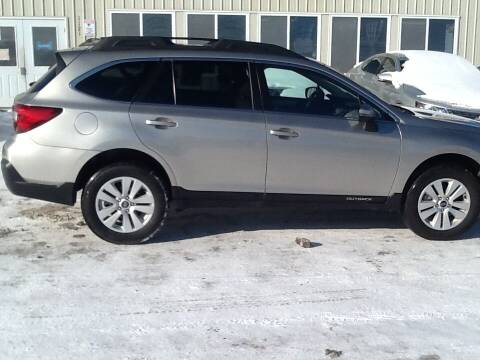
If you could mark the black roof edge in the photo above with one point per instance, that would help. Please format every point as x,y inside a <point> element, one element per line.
<point>118,43</point>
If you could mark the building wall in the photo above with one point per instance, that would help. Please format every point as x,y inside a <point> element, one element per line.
<point>467,11</point>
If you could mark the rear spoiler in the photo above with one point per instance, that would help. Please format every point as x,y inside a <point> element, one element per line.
<point>65,57</point>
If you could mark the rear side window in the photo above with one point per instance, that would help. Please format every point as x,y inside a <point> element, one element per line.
<point>213,84</point>
<point>120,82</point>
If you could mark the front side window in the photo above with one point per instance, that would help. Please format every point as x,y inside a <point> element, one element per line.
<point>305,92</point>
<point>122,81</point>
<point>213,84</point>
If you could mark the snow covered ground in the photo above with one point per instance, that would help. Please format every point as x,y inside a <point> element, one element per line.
<point>234,284</point>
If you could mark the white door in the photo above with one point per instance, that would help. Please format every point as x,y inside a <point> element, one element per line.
<point>42,39</point>
<point>11,61</point>
<point>27,50</point>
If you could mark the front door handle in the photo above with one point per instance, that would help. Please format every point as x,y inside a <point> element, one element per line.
<point>284,133</point>
<point>162,123</point>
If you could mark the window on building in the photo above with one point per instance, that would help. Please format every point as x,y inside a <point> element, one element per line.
<point>413,34</point>
<point>274,30</point>
<point>201,26</point>
<point>344,43</point>
<point>441,35</point>
<point>121,82</point>
<point>44,45</point>
<point>428,34</point>
<point>297,33</point>
<point>8,46</point>
<point>213,84</point>
<point>143,24</point>
<point>217,26</point>
<point>157,24</point>
<point>373,37</point>
<point>232,27</point>
<point>347,50</point>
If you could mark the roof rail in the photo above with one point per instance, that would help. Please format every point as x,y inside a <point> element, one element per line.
<point>113,43</point>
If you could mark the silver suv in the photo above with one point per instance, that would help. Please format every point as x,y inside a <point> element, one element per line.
<point>145,124</point>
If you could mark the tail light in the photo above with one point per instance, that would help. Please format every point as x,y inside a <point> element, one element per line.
<point>27,117</point>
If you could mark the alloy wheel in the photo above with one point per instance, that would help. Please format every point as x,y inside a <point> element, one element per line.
<point>124,204</point>
<point>444,204</point>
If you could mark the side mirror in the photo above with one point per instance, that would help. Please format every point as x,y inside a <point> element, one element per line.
<point>32,83</point>
<point>386,77</point>
<point>368,118</point>
<point>310,91</point>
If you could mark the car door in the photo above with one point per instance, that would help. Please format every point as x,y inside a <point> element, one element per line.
<point>208,132</point>
<point>316,143</point>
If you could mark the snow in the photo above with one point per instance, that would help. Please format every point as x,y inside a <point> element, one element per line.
<point>233,284</point>
<point>441,77</point>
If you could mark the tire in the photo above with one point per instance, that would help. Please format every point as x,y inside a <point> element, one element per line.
<point>445,216</point>
<point>115,216</point>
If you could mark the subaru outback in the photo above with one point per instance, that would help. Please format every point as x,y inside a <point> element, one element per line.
<point>141,125</point>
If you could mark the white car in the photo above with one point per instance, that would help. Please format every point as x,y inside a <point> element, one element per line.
<point>425,80</point>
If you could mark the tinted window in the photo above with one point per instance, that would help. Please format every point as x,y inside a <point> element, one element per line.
<point>303,35</point>
<point>373,37</point>
<point>118,82</point>
<point>217,84</point>
<point>125,24</point>
<point>344,43</point>
<point>201,26</point>
<point>158,87</point>
<point>157,25</point>
<point>440,35</point>
<point>8,50</point>
<point>44,45</point>
<point>306,92</point>
<point>232,27</point>
<point>274,30</point>
<point>413,34</point>
<point>372,67</point>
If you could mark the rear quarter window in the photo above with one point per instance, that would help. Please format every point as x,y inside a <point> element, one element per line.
<point>120,82</point>
<point>52,72</point>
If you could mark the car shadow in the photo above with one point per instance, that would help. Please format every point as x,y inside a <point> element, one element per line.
<point>194,223</point>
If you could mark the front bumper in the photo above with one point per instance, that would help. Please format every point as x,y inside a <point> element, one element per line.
<point>62,194</point>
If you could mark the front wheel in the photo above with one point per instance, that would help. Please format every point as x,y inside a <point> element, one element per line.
<point>442,203</point>
<point>124,204</point>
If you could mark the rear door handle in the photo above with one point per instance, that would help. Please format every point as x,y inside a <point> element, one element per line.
<point>162,123</point>
<point>284,133</point>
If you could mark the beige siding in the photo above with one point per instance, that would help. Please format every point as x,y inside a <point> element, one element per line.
<point>468,12</point>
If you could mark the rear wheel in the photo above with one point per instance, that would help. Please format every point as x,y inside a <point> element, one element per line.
<point>124,204</point>
<point>442,203</point>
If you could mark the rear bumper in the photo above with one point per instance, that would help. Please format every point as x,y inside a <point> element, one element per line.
<point>62,194</point>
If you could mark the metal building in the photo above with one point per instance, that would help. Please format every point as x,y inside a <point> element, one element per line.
<point>336,32</point>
